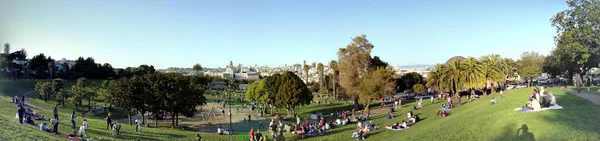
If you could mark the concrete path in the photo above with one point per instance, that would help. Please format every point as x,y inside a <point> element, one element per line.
<point>594,98</point>
<point>29,102</point>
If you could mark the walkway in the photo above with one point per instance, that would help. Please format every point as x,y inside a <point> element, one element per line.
<point>29,102</point>
<point>594,98</point>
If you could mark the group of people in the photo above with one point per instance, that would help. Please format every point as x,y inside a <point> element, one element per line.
<point>540,98</point>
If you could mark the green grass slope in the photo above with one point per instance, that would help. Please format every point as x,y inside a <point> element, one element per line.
<point>479,120</point>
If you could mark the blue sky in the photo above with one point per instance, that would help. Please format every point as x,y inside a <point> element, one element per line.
<point>274,32</point>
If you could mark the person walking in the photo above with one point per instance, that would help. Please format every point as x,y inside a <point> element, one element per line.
<point>138,126</point>
<point>20,113</point>
<point>108,121</point>
<point>73,120</point>
<point>55,111</point>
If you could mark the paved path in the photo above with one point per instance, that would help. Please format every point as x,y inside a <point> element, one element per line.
<point>594,98</point>
<point>29,102</point>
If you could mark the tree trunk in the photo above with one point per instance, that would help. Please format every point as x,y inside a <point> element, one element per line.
<point>143,118</point>
<point>356,102</point>
<point>367,107</point>
<point>63,102</point>
<point>176,120</point>
<point>129,117</point>
<point>45,98</point>
<point>172,118</point>
<point>156,120</point>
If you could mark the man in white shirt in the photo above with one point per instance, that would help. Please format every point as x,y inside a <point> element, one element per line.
<point>138,126</point>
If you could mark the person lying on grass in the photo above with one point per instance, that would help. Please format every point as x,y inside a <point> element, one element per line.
<point>414,119</point>
<point>395,126</point>
<point>493,101</point>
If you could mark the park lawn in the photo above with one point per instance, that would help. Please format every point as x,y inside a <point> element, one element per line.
<point>97,128</point>
<point>17,87</point>
<point>479,120</point>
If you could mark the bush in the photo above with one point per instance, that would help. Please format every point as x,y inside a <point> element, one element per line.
<point>418,89</point>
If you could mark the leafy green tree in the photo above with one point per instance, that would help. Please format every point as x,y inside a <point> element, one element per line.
<point>353,63</point>
<point>292,92</point>
<point>197,68</point>
<point>418,89</point>
<point>530,65</point>
<point>121,95</point>
<point>410,79</point>
<point>251,91</point>
<point>578,37</point>
<point>376,83</point>
<point>58,90</point>
<point>81,91</point>
<point>270,86</point>
<point>44,89</point>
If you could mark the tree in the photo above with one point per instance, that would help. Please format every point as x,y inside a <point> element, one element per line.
<point>6,48</point>
<point>121,95</point>
<point>492,71</point>
<point>51,67</point>
<point>268,89</point>
<point>376,83</point>
<point>474,74</point>
<point>305,67</point>
<point>578,37</point>
<point>58,90</point>
<point>44,89</point>
<point>530,65</point>
<point>197,68</point>
<point>334,68</point>
<point>292,92</point>
<point>434,78</point>
<point>320,69</point>
<point>453,76</point>
<point>251,91</point>
<point>353,64</point>
<point>410,79</point>
<point>418,89</point>
<point>80,91</point>
<point>552,66</point>
<point>38,64</point>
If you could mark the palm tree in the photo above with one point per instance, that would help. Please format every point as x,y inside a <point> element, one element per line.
<point>474,74</point>
<point>434,78</point>
<point>320,69</point>
<point>305,67</point>
<point>452,76</point>
<point>334,68</point>
<point>493,72</point>
<point>51,66</point>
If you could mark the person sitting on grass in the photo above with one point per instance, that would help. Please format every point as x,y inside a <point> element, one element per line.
<point>219,131</point>
<point>357,133</point>
<point>116,127</point>
<point>198,137</point>
<point>395,126</point>
<point>29,120</point>
<point>389,115</point>
<point>493,101</point>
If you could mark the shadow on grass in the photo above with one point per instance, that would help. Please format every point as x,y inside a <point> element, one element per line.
<point>578,114</point>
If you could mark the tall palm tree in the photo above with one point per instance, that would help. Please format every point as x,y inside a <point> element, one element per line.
<point>51,66</point>
<point>473,73</point>
<point>334,68</point>
<point>493,73</point>
<point>452,76</point>
<point>434,78</point>
<point>320,69</point>
<point>305,67</point>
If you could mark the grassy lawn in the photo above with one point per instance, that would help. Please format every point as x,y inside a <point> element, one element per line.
<point>479,120</point>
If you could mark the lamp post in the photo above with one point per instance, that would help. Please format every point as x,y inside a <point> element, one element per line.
<point>229,101</point>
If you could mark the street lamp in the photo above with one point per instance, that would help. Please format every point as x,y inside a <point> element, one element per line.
<point>229,101</point>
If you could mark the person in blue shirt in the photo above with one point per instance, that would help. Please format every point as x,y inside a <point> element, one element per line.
<point>494,101</point>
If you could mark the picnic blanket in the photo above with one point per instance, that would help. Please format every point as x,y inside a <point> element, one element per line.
<point>554,107</point>
<point>390,128</point>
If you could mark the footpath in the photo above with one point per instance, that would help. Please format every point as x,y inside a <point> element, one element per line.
<point>594,98</point>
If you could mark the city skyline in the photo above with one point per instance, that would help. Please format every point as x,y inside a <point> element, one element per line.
<point>211,33</point>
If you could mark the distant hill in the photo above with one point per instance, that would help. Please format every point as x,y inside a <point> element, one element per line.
<point>415,66</point>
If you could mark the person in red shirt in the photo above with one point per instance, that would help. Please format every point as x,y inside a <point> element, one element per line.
<point>252,133</point>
